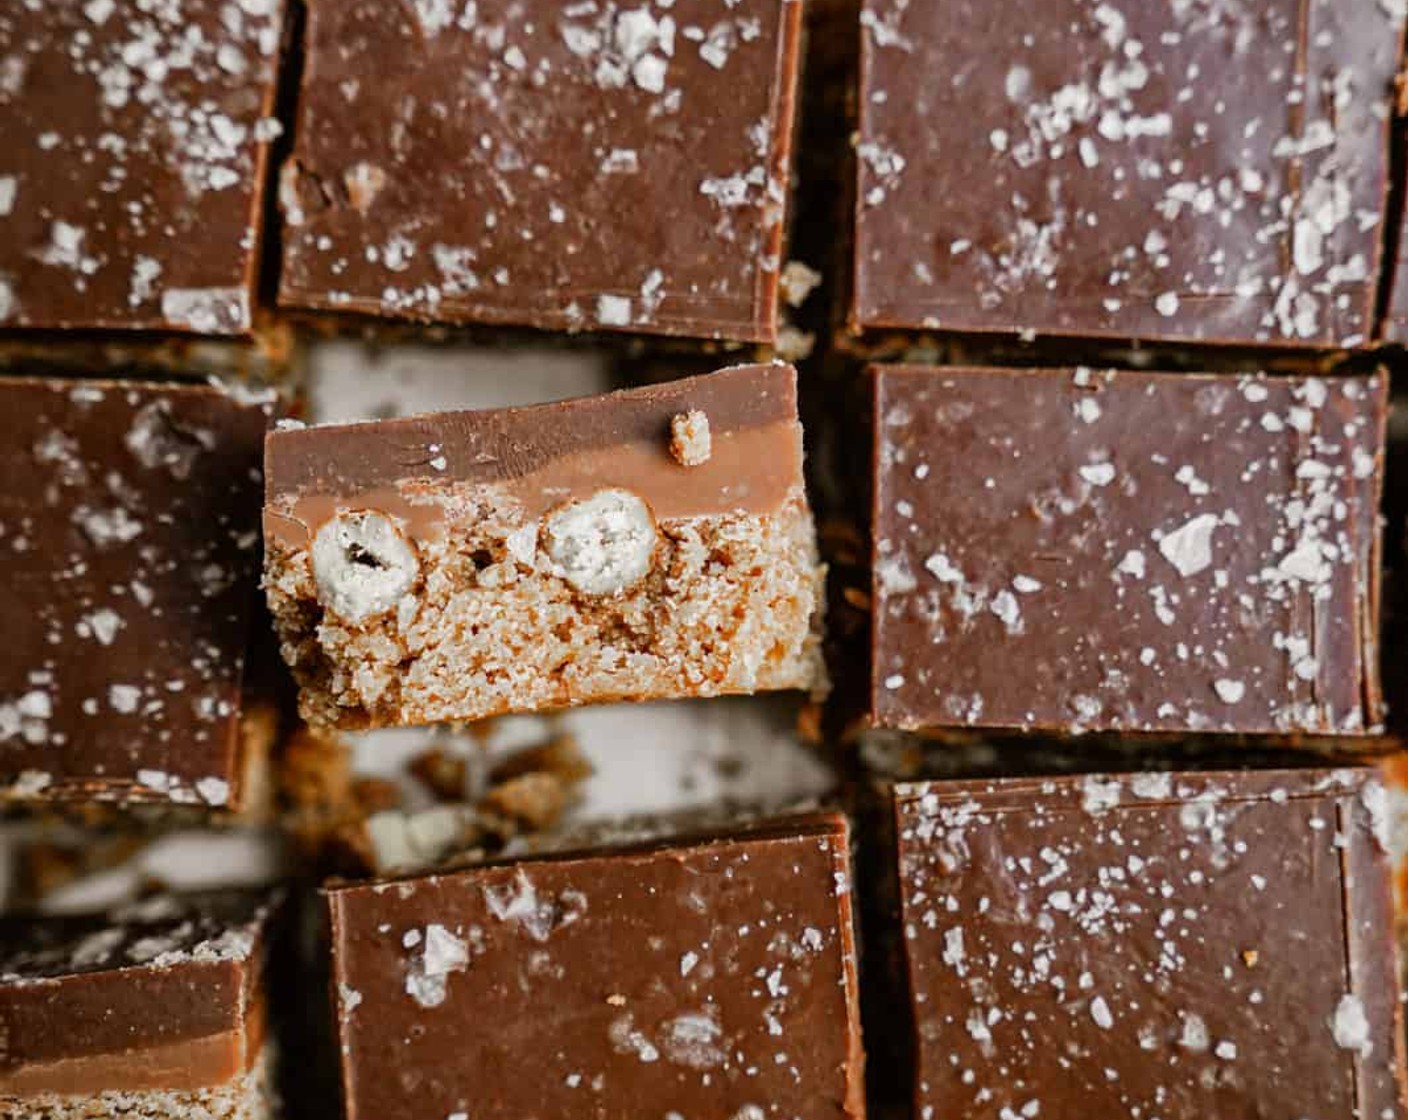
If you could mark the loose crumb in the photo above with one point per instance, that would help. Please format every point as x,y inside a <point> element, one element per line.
<point>690,441</point>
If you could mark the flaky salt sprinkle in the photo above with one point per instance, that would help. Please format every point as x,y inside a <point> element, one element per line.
<point>1350,1025</point>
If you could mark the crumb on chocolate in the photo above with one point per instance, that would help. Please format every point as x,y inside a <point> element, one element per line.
<point>690,441</point>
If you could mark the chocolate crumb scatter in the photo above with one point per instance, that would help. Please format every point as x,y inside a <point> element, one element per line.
<point>1079,946</point>
<point>1181,171</point>
<point>134,129</point>
<point>1157,552</point>
<point>609,166</point>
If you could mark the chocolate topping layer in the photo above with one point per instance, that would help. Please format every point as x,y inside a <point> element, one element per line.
<point>1126,551</point>
<point>129,521</point>
<point>1172,171</point>
<point>132,183</point>
<point>1180,946</point>
<point>708,977</point>
<point>547,454</point>
<point>568,167</point>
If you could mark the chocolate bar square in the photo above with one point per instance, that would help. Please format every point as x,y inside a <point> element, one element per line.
<point>1100,550</point>
<point>129,522</point>
<point>699,976</point>
<point>1171,945</point>
<point>1170,171</point>
<point>564,167</point>
<point>132,181</point>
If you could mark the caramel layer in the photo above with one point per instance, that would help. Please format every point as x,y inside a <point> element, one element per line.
<point>196,1063</point>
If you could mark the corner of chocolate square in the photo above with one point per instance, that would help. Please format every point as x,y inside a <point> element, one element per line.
<point>132,186</point>
<point>130,528</point>
<point>565,168</point>
<point>1083,550</point>
<point>1184,172</point>
<point>646,544</point>
<point>1179,945</point>
<point>155,1010</point>
<point>708,975</point>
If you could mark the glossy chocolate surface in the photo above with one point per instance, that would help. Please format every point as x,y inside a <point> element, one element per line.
<point>706,977</point>
<point>567,167</point>
<point>1179,946</point>
<point>1096,550</point>
<point>1168,171</point>
<point>132,181</point>
<point>130,524</point>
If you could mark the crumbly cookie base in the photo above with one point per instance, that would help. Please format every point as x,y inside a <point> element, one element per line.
<point>248,1097</point>
<point>732,604</point>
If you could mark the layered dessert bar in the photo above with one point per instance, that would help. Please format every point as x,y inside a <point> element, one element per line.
<point>646,544</point>
<point>153,1012</point>
<point>577,167</point>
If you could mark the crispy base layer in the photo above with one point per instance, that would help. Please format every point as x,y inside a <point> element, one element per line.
<point>248,1097</point>
<point>731,604</point>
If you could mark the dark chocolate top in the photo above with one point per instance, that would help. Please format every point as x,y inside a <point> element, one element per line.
<point>1175,171</point>
<point>1155,945</point>
<point>1126,551</point>
<point>566,167</point>
<point>129,522</point>
<point>493,445</point>
<point>157,932</point>
<point>131,185</point>
<point>707,978</point>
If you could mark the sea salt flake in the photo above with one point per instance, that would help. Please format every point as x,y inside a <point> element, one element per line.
<point>1098,474</point>
<point>613,311</point>
<point>213,791</point>
<point>1189,548</point>
<point>1132,564</point>
<point>1229,691</point>
<point>1350,1025</point>
<point>124,698</point>
<point>1305,562</point>
<point>103,625</point>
